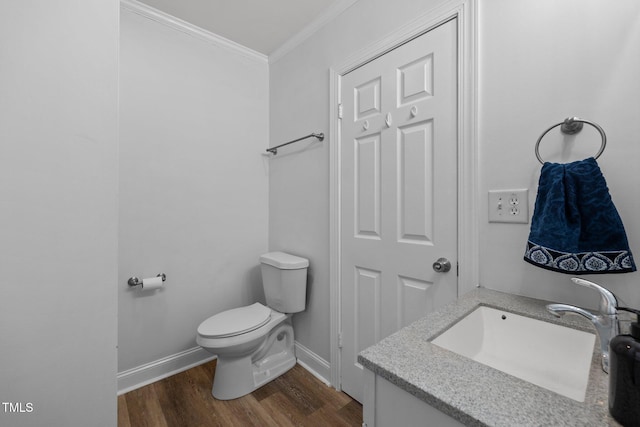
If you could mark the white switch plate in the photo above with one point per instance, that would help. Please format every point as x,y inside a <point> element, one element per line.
<point>509,206</point>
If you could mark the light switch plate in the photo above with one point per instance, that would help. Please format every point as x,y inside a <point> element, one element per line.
<point>509,206</point>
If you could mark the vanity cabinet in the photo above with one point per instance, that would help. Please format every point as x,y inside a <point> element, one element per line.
<point>409,381</point>
<point>385,404</point>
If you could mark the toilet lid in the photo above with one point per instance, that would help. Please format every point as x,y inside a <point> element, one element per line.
<point>235,321</point>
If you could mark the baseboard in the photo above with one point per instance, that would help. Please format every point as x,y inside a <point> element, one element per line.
<point>316,365</point>
<point>146,374</point>
<point>151,372</point>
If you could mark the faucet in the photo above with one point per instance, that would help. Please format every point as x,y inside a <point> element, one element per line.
<point>606,321</point>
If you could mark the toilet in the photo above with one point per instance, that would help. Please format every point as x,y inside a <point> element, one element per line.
<point>254,344</point>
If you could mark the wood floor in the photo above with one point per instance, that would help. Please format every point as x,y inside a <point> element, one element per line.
<point>296,398</point>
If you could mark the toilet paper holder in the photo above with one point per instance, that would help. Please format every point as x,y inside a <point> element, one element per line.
<point>134,281</point>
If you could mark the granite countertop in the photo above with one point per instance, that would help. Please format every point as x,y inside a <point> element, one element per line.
<point>476,394</point>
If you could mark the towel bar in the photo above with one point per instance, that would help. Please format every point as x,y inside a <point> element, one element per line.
<point>274,150</point>
<point>570,126</point>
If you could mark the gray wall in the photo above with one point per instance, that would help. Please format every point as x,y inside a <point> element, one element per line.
<point>530,77</point>
<point>193,185</point>
<point>59,174</point>
<point>542,61</point>
<point>58,192</point>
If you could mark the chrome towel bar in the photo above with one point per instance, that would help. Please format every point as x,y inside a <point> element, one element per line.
<point>274,150</point>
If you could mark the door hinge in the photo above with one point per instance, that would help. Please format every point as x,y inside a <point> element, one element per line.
<point>340,340</point>
<point>457,269</point>
<point>339,111</point>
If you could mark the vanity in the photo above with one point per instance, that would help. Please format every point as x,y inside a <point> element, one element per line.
<point>410,381</point>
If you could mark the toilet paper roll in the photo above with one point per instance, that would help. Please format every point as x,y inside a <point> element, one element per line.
<point>151,283</point>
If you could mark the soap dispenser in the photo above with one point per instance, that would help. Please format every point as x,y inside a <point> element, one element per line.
<point>624,375</point>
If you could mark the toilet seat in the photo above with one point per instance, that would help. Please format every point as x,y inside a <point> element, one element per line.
<point>236,321</point>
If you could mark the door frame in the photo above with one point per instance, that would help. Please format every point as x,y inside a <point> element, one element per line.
<point>468,274</point>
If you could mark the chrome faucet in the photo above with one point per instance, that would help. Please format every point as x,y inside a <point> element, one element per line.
<point>606,321</point>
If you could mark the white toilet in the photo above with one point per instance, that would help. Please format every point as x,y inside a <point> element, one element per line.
<point>254,344</point>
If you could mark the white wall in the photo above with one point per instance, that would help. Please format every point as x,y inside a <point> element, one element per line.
<point>542,61</point>
<point>193,185</point>
<point>529,79</point>
<point>58,191</point>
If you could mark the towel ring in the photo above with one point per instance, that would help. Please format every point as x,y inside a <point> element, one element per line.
<point>570,126</point>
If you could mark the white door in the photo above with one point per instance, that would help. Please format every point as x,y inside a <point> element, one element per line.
<point>398,192</point>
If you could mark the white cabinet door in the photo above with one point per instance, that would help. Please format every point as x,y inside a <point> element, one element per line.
<point>387,405</point>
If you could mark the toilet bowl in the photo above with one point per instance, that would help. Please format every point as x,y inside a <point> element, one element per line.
<point>255,344</point>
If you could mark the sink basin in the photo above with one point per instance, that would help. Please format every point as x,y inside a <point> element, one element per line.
<point>555,357</point>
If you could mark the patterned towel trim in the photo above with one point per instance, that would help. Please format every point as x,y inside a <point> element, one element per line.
<point>580,263</point>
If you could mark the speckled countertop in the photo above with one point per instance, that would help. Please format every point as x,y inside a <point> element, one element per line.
<point>476,394</point>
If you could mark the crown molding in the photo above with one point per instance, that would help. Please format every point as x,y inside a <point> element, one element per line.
<point>170,21</point>
<point>332,12</point>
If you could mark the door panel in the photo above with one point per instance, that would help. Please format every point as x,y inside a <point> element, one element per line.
<point>367,186</point>
<point>416,299</point>
<point>415,183</point>
<point>398,192</point>
<point>366,321</point>
<point>415,80</point>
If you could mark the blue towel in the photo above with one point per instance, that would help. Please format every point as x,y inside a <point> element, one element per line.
<point>575,227</point>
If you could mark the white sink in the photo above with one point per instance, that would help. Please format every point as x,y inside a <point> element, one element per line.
<point>555,357</point>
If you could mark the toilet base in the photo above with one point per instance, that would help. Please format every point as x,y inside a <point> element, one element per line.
<point>236,377</point>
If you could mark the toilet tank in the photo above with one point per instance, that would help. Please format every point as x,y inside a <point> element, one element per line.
<point>284,278</point>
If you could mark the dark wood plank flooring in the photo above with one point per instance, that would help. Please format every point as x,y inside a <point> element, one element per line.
<point>296,398</point>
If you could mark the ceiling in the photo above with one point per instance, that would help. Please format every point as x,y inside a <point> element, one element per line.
<point>261,25</point>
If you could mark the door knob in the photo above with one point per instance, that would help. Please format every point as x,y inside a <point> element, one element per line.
<point>442,265</point>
